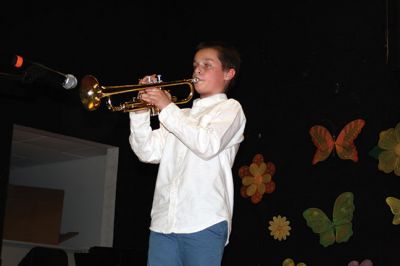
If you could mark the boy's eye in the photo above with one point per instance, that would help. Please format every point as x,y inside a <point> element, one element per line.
<point>202,65</point>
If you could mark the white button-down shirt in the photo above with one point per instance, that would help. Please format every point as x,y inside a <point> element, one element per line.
<point>196,149</point>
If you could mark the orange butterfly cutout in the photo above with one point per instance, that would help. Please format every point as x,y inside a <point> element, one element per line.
<point>343,144</point>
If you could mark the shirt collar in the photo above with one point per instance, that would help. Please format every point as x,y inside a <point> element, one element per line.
<point>211,100</point>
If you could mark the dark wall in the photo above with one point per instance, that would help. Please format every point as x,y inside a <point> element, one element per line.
<point>304,63</point>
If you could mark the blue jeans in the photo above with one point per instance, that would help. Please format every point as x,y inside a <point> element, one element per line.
<point>203,248</point>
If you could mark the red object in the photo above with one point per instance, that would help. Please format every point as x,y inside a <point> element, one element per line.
<point>19,61</point>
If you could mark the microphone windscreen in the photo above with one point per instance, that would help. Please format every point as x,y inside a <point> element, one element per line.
<point>70,82</point>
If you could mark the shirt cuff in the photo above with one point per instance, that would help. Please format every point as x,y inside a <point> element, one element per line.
<point>167,111</point>
<point>138,117</point>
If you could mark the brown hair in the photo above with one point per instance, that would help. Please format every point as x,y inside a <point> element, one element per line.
<point>227,54</point>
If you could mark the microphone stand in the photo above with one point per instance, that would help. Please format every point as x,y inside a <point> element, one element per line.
<point>11,76</point>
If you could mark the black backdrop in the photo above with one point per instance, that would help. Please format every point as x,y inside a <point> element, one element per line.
<point>304,63</point>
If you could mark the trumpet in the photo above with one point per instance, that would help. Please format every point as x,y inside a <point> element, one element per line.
<point>91,94</point>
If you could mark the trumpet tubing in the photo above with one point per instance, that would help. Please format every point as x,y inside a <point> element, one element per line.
<point>91,94</point>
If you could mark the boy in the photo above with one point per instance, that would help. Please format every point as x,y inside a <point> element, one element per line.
<point>196,147</point>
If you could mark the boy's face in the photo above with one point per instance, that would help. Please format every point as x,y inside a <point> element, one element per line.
<point>208,69</point>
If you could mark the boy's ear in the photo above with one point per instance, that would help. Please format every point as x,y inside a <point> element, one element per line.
<point>230,74</point>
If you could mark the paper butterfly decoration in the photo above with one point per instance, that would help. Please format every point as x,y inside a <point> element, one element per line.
<point>343,145</point>
<point>363,263</point>
<point>394,205</point>
<point>340,228</point>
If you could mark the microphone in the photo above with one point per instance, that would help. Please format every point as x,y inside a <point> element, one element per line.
<point>35,71</point>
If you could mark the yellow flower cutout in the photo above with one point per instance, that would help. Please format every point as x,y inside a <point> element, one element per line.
<point>389,158</point>
<point>257,179</point>
<point>279,227</point>
<point>290,262</point>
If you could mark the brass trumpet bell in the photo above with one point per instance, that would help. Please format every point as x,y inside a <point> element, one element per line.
<point>91,94</point>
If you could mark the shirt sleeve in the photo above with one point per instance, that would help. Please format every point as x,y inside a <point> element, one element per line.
<point>147,143</point>
<point>206,136</point>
